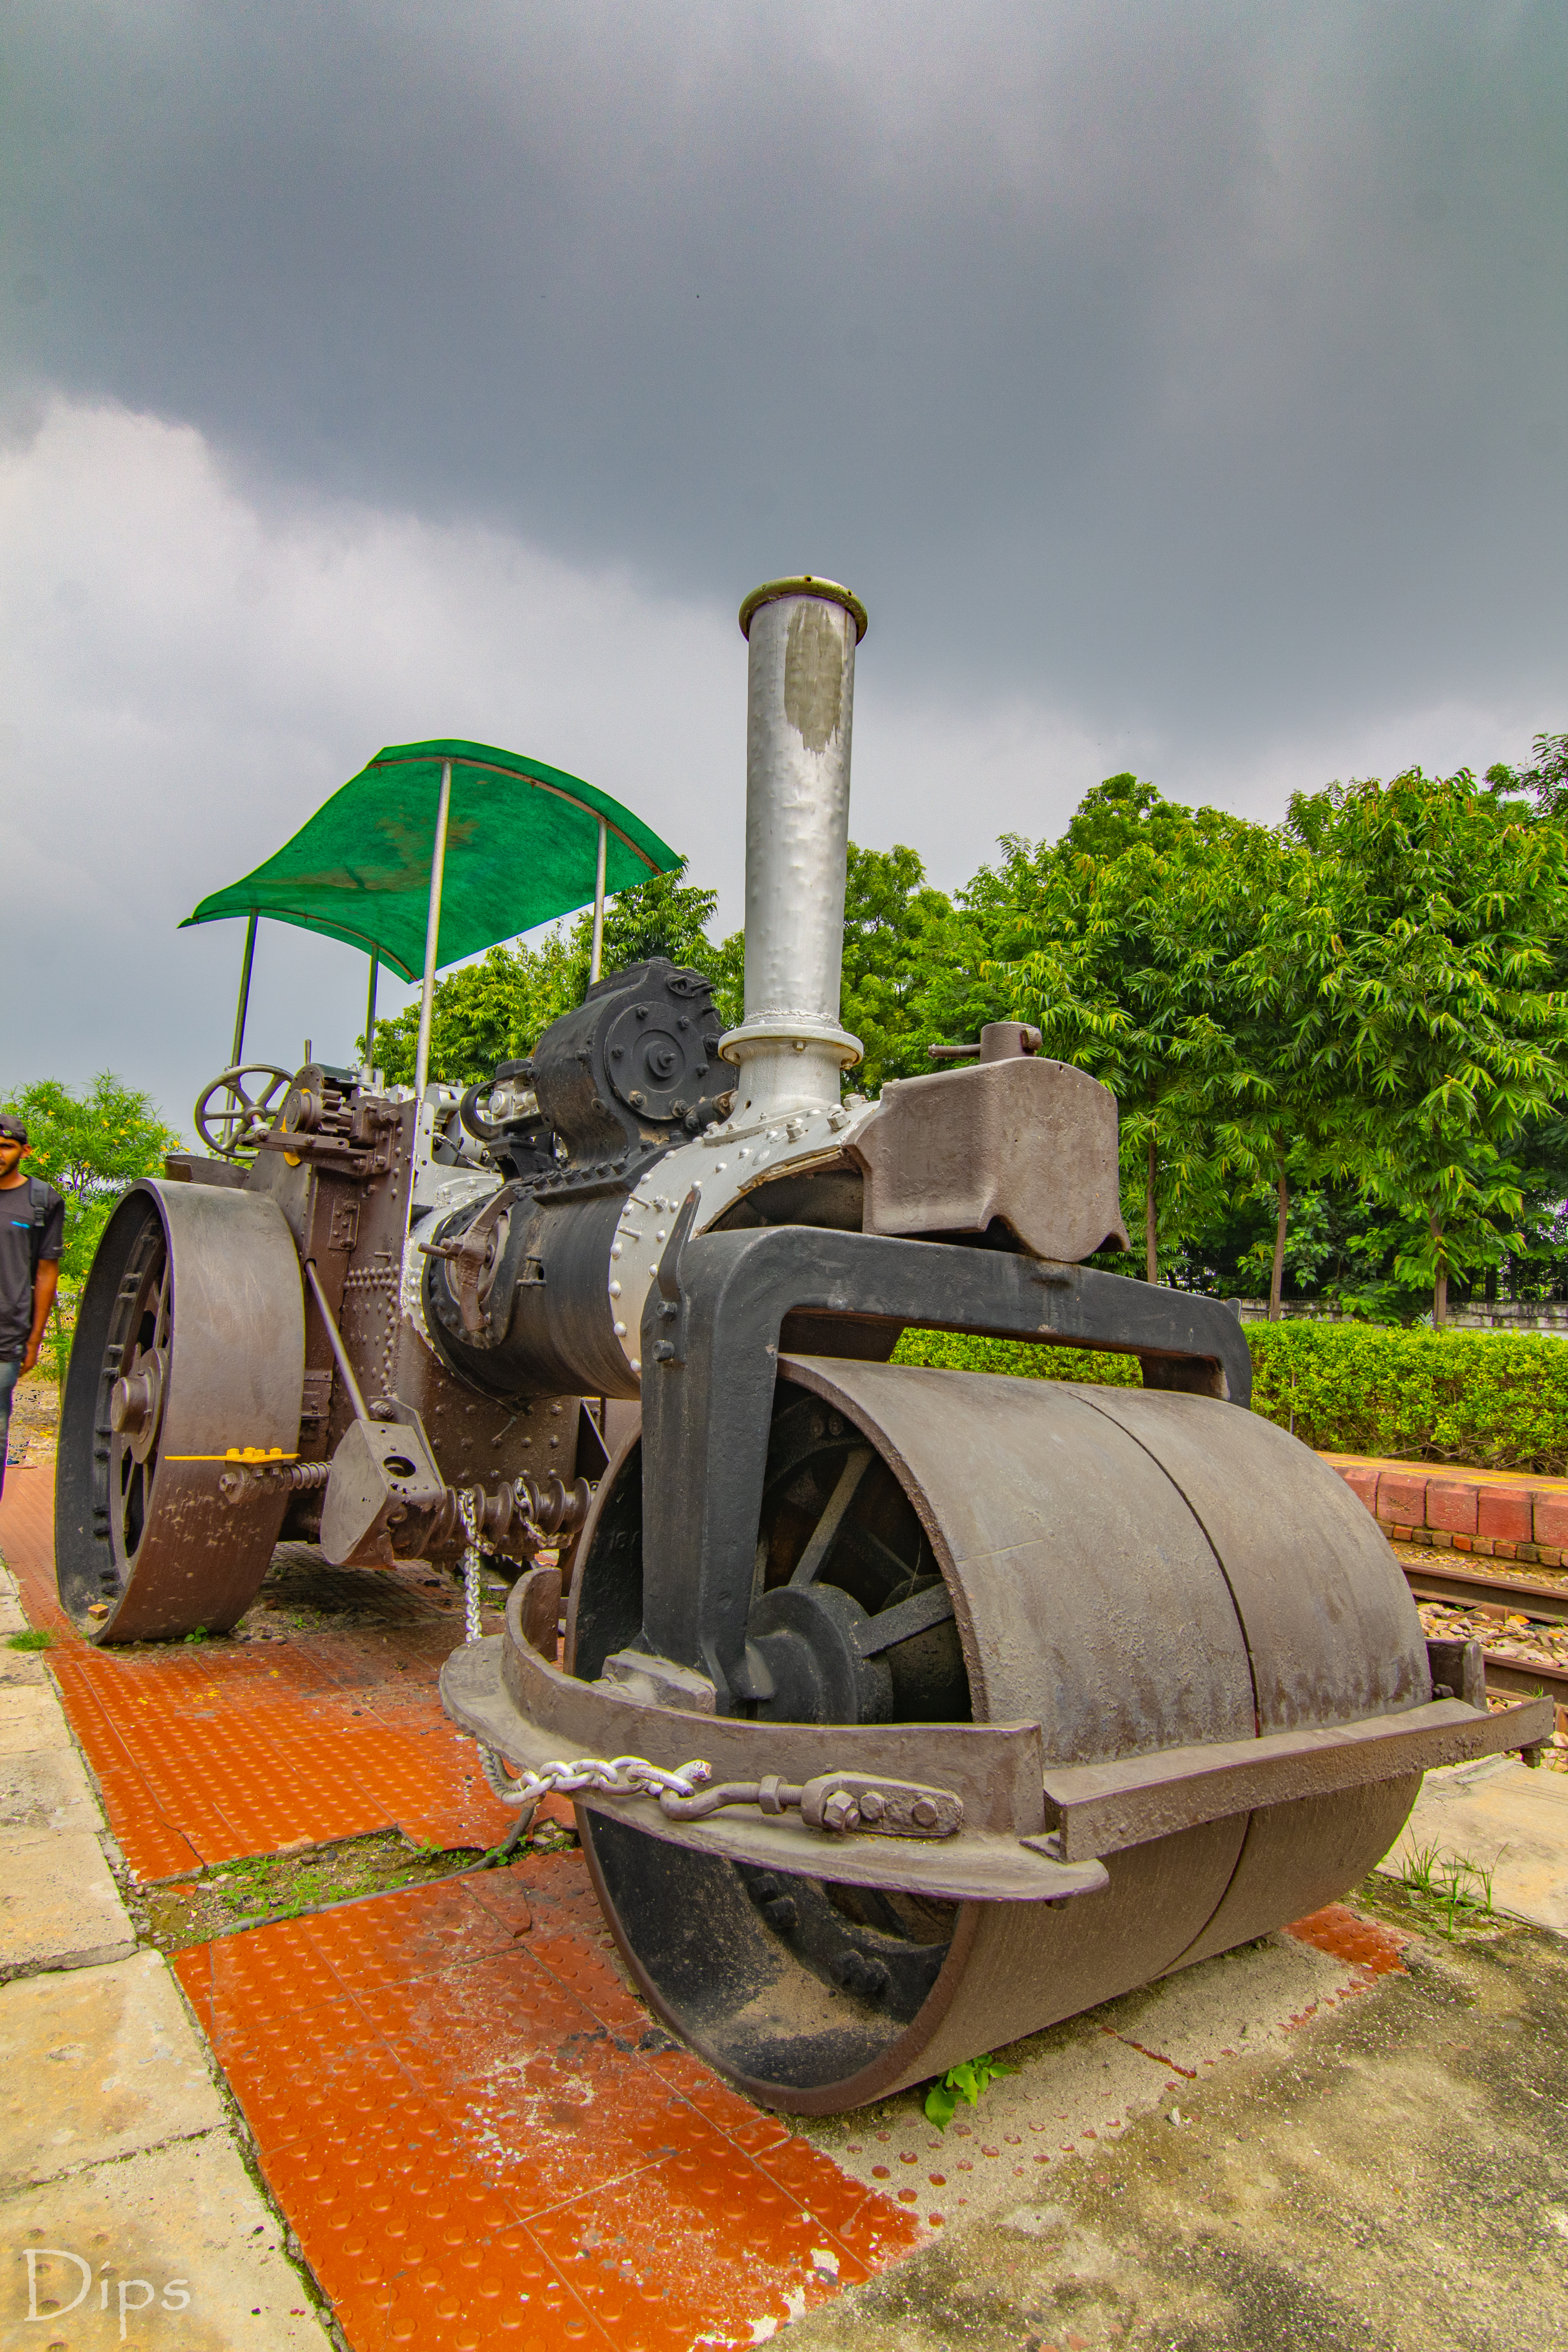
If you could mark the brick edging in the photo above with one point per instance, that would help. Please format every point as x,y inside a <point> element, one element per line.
<point>1514,1522</point>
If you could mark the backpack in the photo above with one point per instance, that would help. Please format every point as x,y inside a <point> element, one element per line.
<point>41,1199</point>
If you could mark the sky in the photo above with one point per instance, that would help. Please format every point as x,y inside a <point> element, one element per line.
<point>1181,389</point>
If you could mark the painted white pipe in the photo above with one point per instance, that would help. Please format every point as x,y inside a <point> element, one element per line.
<point>791,1046</point>
<point>433,932</point>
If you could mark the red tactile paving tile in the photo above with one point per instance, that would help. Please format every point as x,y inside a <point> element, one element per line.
<point>27,1544</point>
<point>210,1752</point>
<point>1336,1930</point>
<point>454,2111</point>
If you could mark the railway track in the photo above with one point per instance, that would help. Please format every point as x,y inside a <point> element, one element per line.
<point>1525,1596</point>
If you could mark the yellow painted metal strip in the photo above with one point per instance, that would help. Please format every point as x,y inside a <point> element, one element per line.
<point>237,1454</point>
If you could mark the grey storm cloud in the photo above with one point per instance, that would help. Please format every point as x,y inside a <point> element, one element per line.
<point>1204,369</point>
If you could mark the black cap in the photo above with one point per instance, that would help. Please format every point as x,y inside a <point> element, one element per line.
<point>11,1126</point>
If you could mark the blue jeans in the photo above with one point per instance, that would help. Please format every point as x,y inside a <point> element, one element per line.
<point>8,1376</point>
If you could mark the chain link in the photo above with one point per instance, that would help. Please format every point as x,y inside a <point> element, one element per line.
<point>621,1776</point>
<point>624,1776</point>
<point>469,1512</point>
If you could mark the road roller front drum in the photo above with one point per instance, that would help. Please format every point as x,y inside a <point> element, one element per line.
<point>1142,1571</point>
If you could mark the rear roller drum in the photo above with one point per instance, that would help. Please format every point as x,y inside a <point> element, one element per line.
<point>1134,1570</point>
<point>189,1342</point>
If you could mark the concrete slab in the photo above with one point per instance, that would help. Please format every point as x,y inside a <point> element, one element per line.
<point>94,2064</point>
<point>58,1906</point>
<point>31,1717</point>
<point>21,1667</point>
<point>1083,2082</point>
<point>180,2236</point>
<point>11,1618</point>
<point>46,1789</point>
<point>1509,1820</point>
<point>1396,2177</point>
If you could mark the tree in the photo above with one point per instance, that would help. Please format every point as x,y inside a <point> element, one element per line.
<point>497,1009</point>
<point>1269,923</point>
<point>1122,977</point>
<point>895,927</point>
<point>992,926</point>
<point>91,1145</point>
<point>482,1013</point>
<point>1446,1026</point>
<point>1547,781</point>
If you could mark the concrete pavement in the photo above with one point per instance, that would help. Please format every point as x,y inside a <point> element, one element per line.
<point>1505,1819</point>
<point>1306,2142</point>
<point>127,2211</point>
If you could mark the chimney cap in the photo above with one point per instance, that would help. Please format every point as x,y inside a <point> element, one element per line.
<point>806,585</point>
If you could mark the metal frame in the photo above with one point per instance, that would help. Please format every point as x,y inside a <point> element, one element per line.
<point>712,1334</point>
<point>510,1698</point>
<point>244,1005</point>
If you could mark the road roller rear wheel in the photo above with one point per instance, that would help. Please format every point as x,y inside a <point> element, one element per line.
<point>1060,1562</point>
<point>189,1342</point>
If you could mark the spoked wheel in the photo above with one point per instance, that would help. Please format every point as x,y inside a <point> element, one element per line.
<point>143,1313</point>
<point>189,1344</point>
<point>952,1546</point>
<point>237,1109</point>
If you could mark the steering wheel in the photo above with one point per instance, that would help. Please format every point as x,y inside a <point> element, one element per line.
<point>237,1126</point>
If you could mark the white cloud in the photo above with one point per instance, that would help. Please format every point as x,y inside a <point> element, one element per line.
<point>187,670</point>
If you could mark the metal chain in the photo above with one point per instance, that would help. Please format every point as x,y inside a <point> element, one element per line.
<point>621,1776</point>
<point>497,1778</point>
<point>469,1512</point>
<point>625,1776</point>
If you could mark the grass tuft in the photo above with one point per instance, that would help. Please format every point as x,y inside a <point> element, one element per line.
<point>1455,1893</point>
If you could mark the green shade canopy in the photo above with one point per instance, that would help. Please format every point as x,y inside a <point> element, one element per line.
<point>522,844</point>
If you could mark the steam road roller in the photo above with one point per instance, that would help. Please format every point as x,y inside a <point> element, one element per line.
<point>300,1336</point>
<point>905,1710</point>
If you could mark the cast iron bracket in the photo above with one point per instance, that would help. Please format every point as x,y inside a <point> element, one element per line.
<point>711,1339</point>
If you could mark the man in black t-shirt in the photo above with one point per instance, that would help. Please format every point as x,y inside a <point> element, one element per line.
<point>31,1234</point>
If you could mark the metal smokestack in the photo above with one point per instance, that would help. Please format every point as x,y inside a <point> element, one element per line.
<point>791,1046</point>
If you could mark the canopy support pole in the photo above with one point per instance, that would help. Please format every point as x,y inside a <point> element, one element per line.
<point>432,933</point>
<point>249,959</point>
<point>597,957</point>
<point>369,1014</point>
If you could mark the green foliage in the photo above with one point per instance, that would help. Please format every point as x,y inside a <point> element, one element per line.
<point>1368,1003</point>
<point>1441,1021</point>
<point>1546,779</point>
<point>32,1637</point>
<point>1496,1399</point>
<point>1491,1398</point>
<point>1141,918</point>
<point>961,1351</point>
<point>965,2082</point>
<point>497,1009</point>
<point>895,927</point>
<point>482,1013</point>
<point>1453,1891</point>
<point>91,1144</point>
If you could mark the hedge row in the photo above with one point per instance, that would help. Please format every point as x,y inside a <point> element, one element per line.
<point>1497,1400</point>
